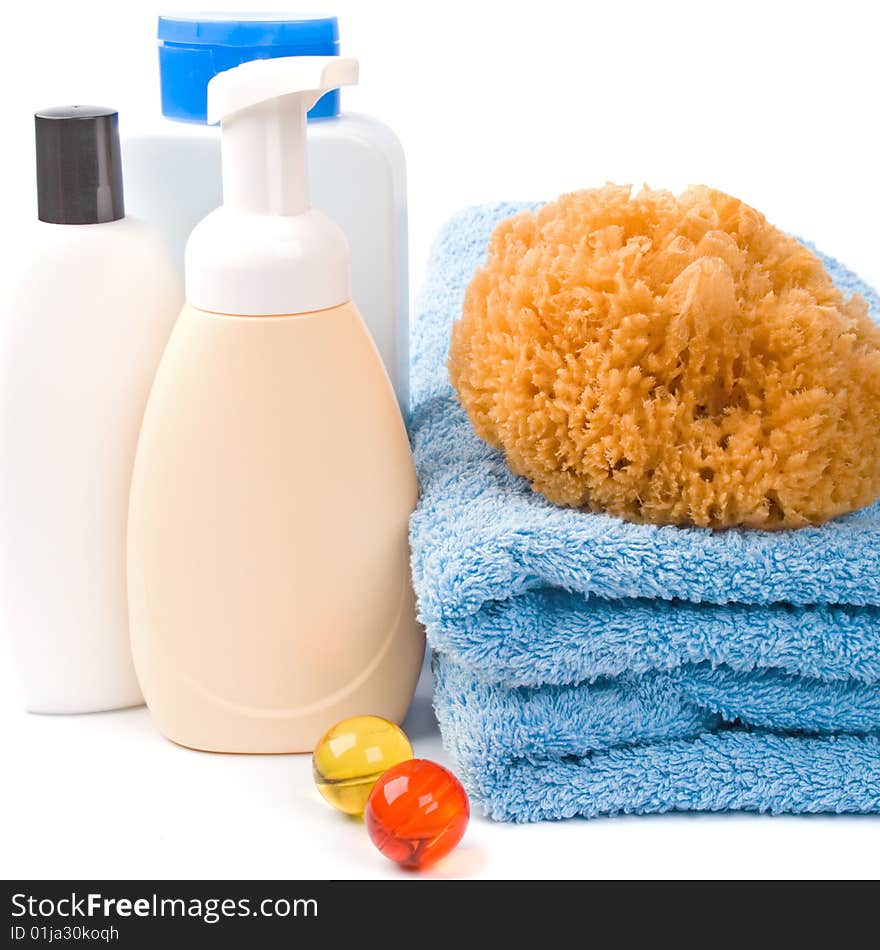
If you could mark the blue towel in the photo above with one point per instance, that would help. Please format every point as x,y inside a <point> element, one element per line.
<point>586,666</point>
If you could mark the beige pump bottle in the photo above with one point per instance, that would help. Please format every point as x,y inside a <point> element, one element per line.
<point>268,564</point>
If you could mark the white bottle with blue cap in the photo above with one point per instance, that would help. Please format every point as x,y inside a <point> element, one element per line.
<point>357,166</point>
<point>268,560</point>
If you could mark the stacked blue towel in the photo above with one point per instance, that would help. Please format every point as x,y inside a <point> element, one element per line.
<point>587,666</point>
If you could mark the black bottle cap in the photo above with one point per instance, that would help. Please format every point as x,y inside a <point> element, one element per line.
<point>79,166</point>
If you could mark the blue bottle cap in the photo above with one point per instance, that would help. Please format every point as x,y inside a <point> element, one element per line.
<point>193,48</point>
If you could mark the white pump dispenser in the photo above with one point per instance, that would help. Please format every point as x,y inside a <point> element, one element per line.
<point>269,588</point>
<point>265,251</point>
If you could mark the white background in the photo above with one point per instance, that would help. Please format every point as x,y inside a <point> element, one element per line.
<point>774,102</point>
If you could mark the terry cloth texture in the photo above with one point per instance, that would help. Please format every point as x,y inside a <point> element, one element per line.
<point>587,666</point>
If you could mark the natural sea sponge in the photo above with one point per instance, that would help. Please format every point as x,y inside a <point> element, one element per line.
<point>671,360</point>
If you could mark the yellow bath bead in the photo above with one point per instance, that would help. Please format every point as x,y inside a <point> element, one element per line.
<point>351,757</point>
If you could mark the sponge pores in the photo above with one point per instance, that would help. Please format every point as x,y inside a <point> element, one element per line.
<point>673,360</point>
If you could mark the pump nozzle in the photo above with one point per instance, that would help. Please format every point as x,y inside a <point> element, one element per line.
<point>265,251</point>
<point>264,79</point>
<point>262,107</point>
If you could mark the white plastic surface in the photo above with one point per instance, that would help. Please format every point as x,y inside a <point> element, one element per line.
<point>356,175</point>
<point>82,333</point>
<point>247,265</point>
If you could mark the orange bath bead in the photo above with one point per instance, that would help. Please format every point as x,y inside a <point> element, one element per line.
<point>417,813</point>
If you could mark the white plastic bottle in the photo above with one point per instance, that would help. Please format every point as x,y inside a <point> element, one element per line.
<point>358,173</point>
<point>89,314</point>
<point>269,583</point>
